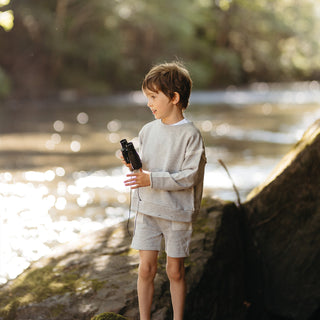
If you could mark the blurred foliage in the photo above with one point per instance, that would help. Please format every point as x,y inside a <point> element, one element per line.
<point>99,46</point>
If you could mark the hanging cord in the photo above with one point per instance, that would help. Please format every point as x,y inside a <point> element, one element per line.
<point>128,222</point>
<point>129,216</point>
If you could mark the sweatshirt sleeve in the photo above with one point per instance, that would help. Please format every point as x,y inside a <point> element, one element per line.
<point>188,175</point>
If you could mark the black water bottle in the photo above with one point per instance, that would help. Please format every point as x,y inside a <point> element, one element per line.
<point>133,157</point>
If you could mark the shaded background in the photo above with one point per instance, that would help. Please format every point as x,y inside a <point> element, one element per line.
<point>70,75</point>
<point>99,46</point>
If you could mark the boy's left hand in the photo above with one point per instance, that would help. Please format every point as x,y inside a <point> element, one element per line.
<point>138,179</point>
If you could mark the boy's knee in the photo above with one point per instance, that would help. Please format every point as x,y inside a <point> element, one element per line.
<point>147,271</point>
<point>175,273</point>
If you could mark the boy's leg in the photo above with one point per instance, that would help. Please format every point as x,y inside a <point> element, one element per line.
<point>147,273</point>
<point>176,275</point>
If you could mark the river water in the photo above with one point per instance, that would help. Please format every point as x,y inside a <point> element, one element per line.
<point>60,175</point>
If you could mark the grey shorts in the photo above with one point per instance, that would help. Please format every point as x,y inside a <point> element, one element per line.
<point>149,232</point>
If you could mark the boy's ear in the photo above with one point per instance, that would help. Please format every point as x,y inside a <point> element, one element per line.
<point>176,98</point>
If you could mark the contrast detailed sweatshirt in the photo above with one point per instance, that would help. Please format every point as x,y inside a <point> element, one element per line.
<point>175,157</point>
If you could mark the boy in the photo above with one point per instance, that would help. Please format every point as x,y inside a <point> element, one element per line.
<point>169,185</point>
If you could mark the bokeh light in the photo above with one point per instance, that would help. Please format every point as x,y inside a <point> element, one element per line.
<point>82,118</point>
<point>58,125</point>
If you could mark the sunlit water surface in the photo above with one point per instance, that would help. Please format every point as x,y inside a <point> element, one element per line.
<point>60,173</point>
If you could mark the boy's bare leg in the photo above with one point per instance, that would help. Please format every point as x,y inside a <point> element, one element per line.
<point>176,274</point>
<point>147,273</point>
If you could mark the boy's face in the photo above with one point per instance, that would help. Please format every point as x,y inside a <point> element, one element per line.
<point>163,107</point>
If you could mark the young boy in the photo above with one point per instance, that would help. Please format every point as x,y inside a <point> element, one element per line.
<point>169,185</point>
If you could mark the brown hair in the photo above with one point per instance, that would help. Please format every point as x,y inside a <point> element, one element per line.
<point>170,78</point>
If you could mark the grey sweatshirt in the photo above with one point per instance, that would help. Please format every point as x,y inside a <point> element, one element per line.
<point>175,156</point>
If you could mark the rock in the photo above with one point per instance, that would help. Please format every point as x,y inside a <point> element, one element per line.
<point>283,221</point>
<point>97,274</point>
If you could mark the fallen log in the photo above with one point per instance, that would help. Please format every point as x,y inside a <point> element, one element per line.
<point>283,236</point>
<point>265,261</point>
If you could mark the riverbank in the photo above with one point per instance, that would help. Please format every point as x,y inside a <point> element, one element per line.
<point>97,273</point>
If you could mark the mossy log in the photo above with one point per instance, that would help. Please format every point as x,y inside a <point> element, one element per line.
<point>283,230</point>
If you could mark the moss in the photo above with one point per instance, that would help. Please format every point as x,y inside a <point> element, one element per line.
<point>39,284</point>
<point>57,310</point>
<point>108,316</point>
<point>10,310</point>
<point>129,252</point>
<point>96,285</point>
<point>208,202</point>
<point>202,226</point>
<point>188,263</point>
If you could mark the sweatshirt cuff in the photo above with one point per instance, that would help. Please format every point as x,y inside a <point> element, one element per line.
<point>154,180</point>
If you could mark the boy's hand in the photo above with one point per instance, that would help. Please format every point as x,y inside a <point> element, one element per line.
<point>138,179</point>
<point>128,165</point>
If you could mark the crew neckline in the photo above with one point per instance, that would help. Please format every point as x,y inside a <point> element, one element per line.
<point>179,123</point>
